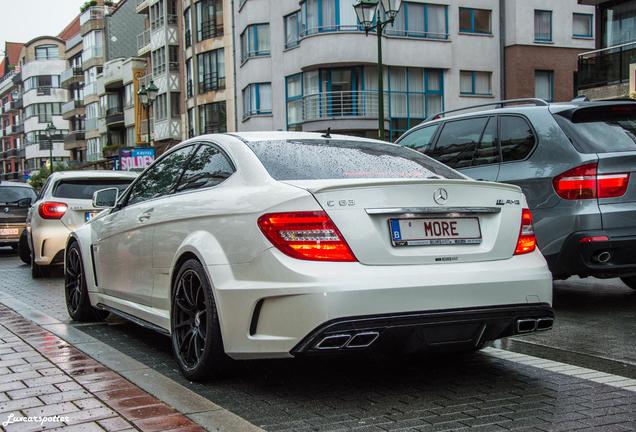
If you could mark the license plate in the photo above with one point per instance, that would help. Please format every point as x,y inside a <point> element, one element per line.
<point>435,231</point>
<point>89,215</point>
<point>9,231</point>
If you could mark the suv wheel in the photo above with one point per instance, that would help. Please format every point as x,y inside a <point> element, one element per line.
<point>630,282</point>
<point>24,251</point>
<point>77,301</point>
<point>196,334</point>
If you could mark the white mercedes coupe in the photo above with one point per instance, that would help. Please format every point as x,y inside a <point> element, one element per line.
<point>283,244</point>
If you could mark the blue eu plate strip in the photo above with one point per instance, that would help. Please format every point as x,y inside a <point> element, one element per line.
<point>396,234</point>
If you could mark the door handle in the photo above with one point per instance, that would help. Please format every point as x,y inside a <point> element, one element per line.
<point>145,215</point>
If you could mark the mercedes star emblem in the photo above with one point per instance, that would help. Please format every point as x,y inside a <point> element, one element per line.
<point>440,196</point>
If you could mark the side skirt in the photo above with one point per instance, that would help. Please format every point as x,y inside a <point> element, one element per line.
<point>133,319</point>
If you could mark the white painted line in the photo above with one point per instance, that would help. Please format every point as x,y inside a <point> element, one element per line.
<point>611,380</point>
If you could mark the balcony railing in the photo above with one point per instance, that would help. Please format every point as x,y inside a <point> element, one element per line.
<point>143,40</point>
<point>189,87</point>
<point>334,105</point>
<point>71,105</point>
<point>114,116</point>
<point>92,52</point>
<point>211,82</point>
<point>188,38</point>
<point>19,128</point>
<point>71,73</point>
<point>210,29</point>
<point>94,13</point>
<point>73,137</point>
<point>606,66</point>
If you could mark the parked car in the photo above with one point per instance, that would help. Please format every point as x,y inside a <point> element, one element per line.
<point>575,162</point>
<point>273,245</point>
<point>15,200</point>
<point>65,203</point>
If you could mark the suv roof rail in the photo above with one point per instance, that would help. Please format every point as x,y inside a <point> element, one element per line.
<point>497,104</point>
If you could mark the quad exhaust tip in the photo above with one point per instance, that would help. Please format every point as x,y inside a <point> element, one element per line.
<point>529,325</point>
<point>349,341</point>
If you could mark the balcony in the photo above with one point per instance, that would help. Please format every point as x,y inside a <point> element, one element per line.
<point>71,76</point>
<point>113,74</point>
<point>73,42</point>
<point>72,108</point>
<point>211,82</point>
<point>74,139</point>
<point>143,42</point>
<point>210,29</point>
<point>18,128</point>
<point>90,89</point>
<point>327,107</point>
<point>8,130</point>
<point>115,117</point>
<point>607,68</point>
<point>93,18</point>
<point>92,56</point>
<point>142,6</point>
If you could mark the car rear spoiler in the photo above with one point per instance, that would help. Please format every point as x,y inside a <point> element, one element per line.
<point>601,111</point>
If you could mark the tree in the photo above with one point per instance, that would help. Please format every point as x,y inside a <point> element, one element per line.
<point>38,180</point>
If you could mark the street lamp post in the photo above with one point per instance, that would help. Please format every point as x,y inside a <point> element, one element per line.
<point>369,17</point>
<point>50,131</point>
<point>147,96</point>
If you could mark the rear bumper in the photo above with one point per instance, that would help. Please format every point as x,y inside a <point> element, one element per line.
<point>269,306</point>
<point>582,259</point>
<point>49,241</point>
<point>10,240</point>
<point>424,331</point>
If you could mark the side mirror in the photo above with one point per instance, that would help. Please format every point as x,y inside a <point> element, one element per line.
<point>106,198</point>
<point>25,203</point>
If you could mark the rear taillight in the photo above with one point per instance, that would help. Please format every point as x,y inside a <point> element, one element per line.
<point>527,241</point>
<point>584,183</point>
<point>52,210</point>
<point>306,235</point>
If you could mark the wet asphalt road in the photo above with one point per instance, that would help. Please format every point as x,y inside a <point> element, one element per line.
<point>595,328</point>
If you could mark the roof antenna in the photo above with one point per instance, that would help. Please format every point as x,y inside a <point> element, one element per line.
<point>327,134</point>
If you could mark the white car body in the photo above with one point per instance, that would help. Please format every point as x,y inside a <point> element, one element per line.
<point>47,237</point>
<point>271,305</point>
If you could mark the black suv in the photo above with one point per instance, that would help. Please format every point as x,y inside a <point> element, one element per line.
<point>15,200</point>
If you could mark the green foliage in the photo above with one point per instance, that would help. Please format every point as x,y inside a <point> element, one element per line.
<point>87,5</point>
<point>38,180</point>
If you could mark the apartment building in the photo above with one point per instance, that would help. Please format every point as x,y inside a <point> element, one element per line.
<point>607,71</point>
<point>308,65</point>
<point>159,44</point>
<point>543,41</point>
<point>38,82</point>
<point>11,144</point>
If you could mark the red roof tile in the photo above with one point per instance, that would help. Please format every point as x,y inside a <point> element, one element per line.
<point>70,30</point>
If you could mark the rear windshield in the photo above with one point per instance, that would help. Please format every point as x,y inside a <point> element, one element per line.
<point>600,136</point>
<point>13,194</point>
<point>85,188</point>
<point>338,159</point>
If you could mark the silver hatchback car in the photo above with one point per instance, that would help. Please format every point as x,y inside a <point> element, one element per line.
<point>576,163</point>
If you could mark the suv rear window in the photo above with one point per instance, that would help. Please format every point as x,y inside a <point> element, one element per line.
<point>600,136</point>
<point>13,194</point>
<point>339,159</point>
<point>85,188</point>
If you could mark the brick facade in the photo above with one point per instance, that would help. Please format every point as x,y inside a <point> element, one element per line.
<point>523,60</point>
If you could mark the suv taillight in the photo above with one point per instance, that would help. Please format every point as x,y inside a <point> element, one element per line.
<point>527,242</point>
<point>52,210</point>
<point>306,235</point>
<point>584,183</point>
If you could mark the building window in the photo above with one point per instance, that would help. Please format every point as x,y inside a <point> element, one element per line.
<point>255,41</point>
<point>475,83</point>
<point>160,107</point>
<point>542,26</point>
<point>257,100</point>
<point>129,96</point>
<point>292,30</point>
<point>189,79</point>
<point>211,70</point>
<point>294,94</point>
<point>421,20</point>
<point>209,19</point>
<point>44,111</point>
<point>213,118</point>
<point>42,82</point>
<point>544,85</point>
<point>47,52</point>
<point>159,61</point>
<point>582,25</point>
<point>475,21</point>
<point>191,125</point>
<point>187,27</point>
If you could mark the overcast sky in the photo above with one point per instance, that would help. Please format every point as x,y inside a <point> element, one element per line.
<point>22,20</point>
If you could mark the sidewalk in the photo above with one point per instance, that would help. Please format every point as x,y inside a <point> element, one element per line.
<point>44,377</point>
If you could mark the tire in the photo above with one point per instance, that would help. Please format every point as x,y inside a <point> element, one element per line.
<point>14,247</point>
<point>24,251</point>
<point>194,322</point>
<point>630,281</point>
<point>78,303</point>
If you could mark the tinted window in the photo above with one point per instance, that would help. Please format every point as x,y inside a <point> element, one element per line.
<point>487,151</point>
<point>207,168</point>
<point>161,178</point>
<point>457,142</point>
<point>13,194</point>
<point>516,138</point>
<point>335,159</point>
<point>85,188</point>
<point>420,139</point>
<point>601,136</point>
